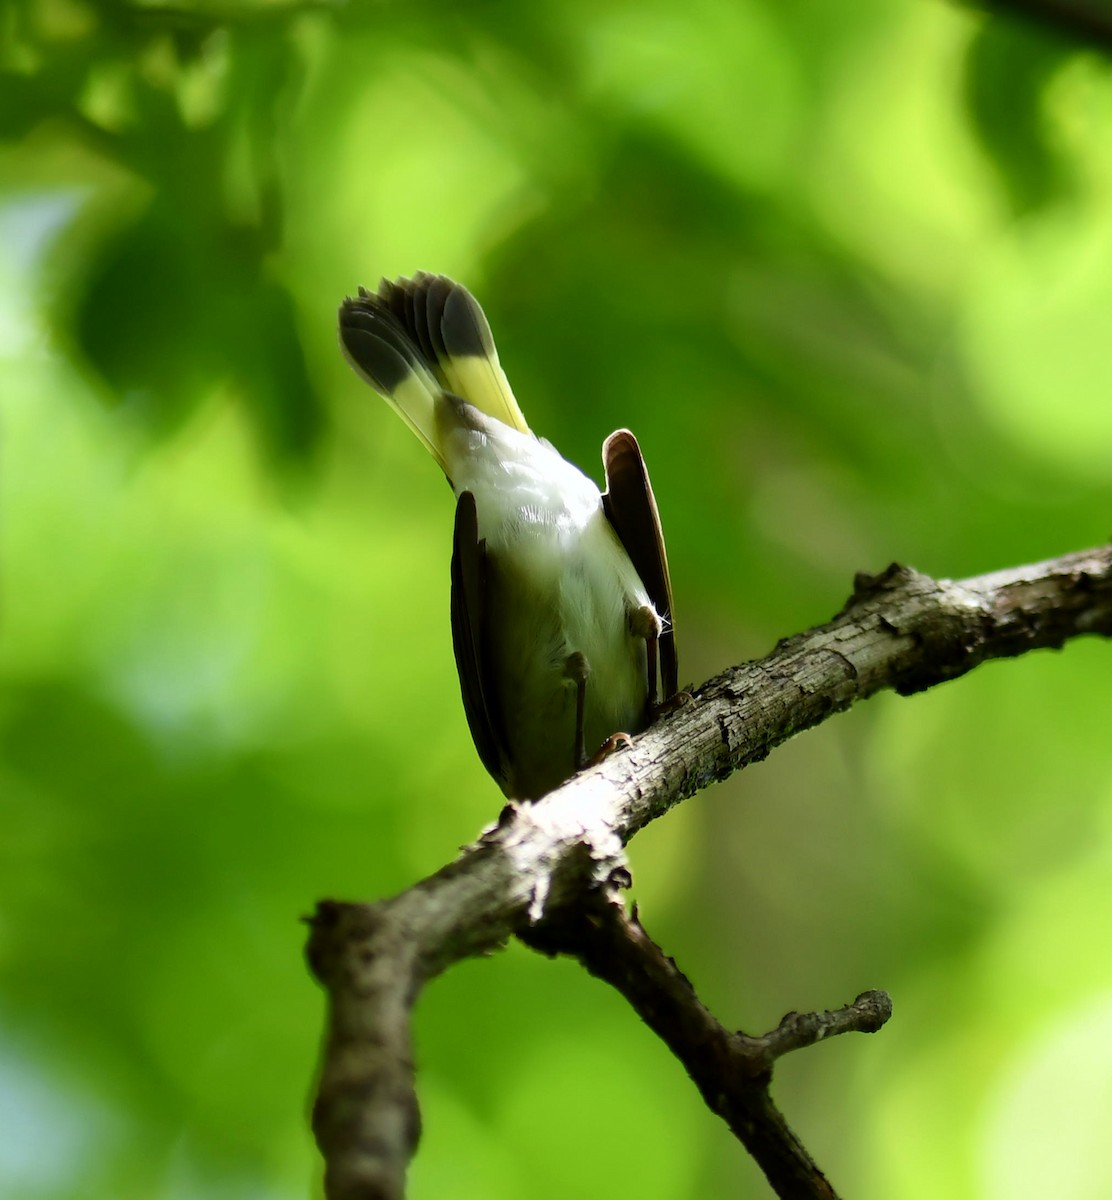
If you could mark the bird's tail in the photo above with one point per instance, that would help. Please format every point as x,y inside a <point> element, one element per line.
<point>417,338</point>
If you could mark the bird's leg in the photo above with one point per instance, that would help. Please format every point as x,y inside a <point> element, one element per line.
<point>577,668</point>
<point>644,623</point>
<point>652,647</point>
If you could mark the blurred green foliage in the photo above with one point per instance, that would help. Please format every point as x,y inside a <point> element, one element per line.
<point>845,270</point>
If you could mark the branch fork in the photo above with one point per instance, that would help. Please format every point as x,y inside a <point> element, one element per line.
<point>550,873</point>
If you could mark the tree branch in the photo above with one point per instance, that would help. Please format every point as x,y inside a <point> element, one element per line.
<point>533,873</point>
<point>1086,21</point>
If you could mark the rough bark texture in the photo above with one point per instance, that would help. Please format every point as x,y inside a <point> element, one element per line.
<point>549,872</point>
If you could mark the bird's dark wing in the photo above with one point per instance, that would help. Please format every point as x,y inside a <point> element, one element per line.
<point>631,506</point>
<point>468,619</point>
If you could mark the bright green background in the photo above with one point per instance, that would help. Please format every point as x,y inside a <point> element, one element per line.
<point>845,269</point>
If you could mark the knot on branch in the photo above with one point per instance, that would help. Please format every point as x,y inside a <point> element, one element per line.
<point>866,586</point>
<point>339,934</point>
<point>563,844</point>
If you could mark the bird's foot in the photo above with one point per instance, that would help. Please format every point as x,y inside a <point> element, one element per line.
<point>615,742</point>
<point>666,707</point>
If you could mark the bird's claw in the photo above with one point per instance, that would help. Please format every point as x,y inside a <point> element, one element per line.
<point>615,742</point>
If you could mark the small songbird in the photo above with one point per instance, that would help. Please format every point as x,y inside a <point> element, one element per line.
<point>561,600</point>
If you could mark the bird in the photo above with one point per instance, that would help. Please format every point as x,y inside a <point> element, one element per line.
<point>561,600</point>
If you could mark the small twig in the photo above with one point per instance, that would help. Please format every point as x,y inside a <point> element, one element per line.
<point>731,1070</point>
<point>867,1014</point>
